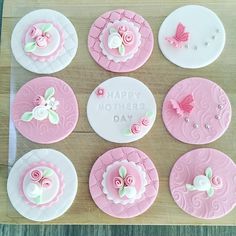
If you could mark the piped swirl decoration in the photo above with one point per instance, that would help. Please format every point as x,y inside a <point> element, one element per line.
<point>207,183</point>
<point>45,107</point>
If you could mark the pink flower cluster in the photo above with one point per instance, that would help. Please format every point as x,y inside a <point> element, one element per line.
<point>37,176</point>
<point>136,127</point>
<point>40,37</point>
<point>119,182</point>
<point>127,36</point>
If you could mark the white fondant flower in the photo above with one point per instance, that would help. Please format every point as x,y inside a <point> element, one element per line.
<point>201,183</point>
<point>33,190</point>
<point>206,182</point>
<point>52,103</point>
<point>40,112</point>
<point>114,40</point>
<point>130,191</point>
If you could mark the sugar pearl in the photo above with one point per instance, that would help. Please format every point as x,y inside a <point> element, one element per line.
<point>195,125</point>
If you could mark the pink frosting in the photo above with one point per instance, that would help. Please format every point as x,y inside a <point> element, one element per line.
<point>46,182</point>
<point>57,172</point>
<point>35,31</point>
<point>145,121</point>
<point>129,180</point>
<point>54,54</point>
<point>216,182</point>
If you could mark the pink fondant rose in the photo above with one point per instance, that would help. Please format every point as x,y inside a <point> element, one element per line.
<point>39,100</point>
<point>128,37</point>
<point>118,182</point>
<point>145,121</point>
<point>135,128</point>
<point>100,92</point>
<point>46,183</point>
<point>35,32</point>
<point>122,29</point>
<point>216,182</point>
<point>36,175</point>
<point>41,41</point>
<point>129,180</point>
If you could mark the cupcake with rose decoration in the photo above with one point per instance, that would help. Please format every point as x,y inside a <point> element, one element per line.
<point>123,179</point>
<point>202,183</point>
<point>42,184</point>
<point>45,110</point>
<point>120,40</point>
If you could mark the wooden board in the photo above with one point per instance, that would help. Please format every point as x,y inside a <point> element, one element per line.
<point>83,146</point>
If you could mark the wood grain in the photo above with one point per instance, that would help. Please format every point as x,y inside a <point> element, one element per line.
<point>83,146</point>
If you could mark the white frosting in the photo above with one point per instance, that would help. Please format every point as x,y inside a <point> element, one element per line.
<point>132,194</point>
<point>40,112</point>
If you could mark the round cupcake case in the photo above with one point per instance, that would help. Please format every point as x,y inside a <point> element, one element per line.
<point>196,111</point>
<point>202,183</point>
<point>42,184</point>
<point>120,41</point>
<point>123,182</point>
<point>192,37</point>
<point>45,110</point>
<point>121,109</point>
<point>44,41</point>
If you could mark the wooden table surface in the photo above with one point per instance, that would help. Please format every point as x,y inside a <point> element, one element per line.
<point>83,146</point>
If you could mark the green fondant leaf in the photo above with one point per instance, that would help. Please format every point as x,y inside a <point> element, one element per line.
<point>47,173</point>
<point>122,171</point>
<point>46,27</point>
<point>190,187</point>
<point>27,116</point>
<point>210,192</point>
<point>122,192</point>
<point>30,47</point>
<point>49,93</point>
<point>127,133</point>
<point>38,199</point>
<point>122,50</point>
<point>112,30</point>
<point>149,114</point>
<point>208,172</point>
<point>53,117</point>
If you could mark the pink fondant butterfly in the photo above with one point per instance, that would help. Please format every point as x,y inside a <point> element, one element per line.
<point>185,106</point>
<point>180,36</point>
